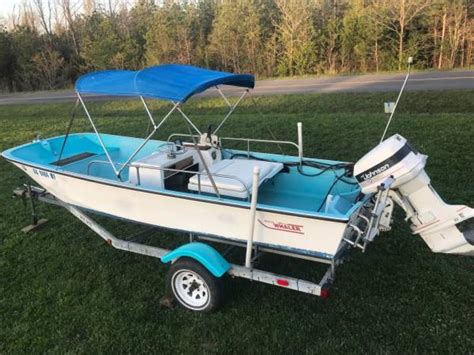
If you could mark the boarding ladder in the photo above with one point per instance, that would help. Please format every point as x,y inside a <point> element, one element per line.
<point>370,222</point>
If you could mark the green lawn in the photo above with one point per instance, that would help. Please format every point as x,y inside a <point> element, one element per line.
<point>63,290</point>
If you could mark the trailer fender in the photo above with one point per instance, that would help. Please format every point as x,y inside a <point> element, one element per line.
<point>209,257</point>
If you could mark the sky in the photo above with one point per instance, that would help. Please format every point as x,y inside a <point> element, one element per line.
<point>7,6</point>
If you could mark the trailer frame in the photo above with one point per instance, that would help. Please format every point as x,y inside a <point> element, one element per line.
<point>246,271</point>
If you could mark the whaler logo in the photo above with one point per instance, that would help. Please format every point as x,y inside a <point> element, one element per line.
<point>280,226</point>
<point>371,174</point>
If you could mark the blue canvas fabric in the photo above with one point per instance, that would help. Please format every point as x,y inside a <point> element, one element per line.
<point>171,82</point>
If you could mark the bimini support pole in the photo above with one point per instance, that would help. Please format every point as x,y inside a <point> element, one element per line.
<point>150,116</point>
<point>299,125</point>
<point>189,121</point>
<point>117,172</point>
<point>253,212</point>
<point>232,108</point>
<point>223,96</point>
<point>69,127</point>
<point>155,128</point>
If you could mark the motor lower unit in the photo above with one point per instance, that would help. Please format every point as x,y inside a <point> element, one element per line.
<point>445,228</point>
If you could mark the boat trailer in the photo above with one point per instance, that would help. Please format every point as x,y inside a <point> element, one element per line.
<point>195,248</point>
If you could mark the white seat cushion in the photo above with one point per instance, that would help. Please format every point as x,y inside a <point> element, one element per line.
<point>241,169</point>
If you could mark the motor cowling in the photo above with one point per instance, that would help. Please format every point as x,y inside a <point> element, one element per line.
<point>440,225</point>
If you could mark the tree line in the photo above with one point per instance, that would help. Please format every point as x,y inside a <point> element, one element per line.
<point>47,44</point>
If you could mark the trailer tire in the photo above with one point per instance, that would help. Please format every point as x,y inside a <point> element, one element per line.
<point>193,286</point>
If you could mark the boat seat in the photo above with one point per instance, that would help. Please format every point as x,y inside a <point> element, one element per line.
<point>241,169</point>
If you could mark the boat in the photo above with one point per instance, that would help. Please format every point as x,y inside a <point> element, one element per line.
<point>195,182</point>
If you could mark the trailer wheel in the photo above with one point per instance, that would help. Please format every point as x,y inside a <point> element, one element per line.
<point>193,286</point>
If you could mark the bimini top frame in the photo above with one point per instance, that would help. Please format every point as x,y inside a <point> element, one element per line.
<point>170,82</point>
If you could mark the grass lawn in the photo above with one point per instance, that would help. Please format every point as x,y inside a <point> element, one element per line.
<point>63,290</point>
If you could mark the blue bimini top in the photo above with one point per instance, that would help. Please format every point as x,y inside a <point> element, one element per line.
<point>171,82</point>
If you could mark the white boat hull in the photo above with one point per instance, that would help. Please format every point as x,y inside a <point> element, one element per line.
<point>313,236</point>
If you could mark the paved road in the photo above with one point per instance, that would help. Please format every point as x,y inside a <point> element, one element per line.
<point>444,80</point>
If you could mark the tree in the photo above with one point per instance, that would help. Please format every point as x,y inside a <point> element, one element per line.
<point>50,42</point>
<point>107,43</point>
<point>140,21</point>
<point>89,7</point>
<point>170,38</point>
<point>328,18</point>
<point>206,13</point>
<point>396,15</point>
<point>457,19</point>
<point>69,11</point>
<point>26,42</point>
<point>451,27</point>
<point>236,37</point>
<point>6,60</point>
<point>359,39</point>
<point>49,65</point>
<point>295,32</point>
<point>44,13</point>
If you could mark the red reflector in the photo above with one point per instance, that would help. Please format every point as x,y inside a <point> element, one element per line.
<point>324,293</point>
<point>282,282</point>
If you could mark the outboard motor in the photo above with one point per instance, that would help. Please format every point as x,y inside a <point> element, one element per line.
<point>441,226</point>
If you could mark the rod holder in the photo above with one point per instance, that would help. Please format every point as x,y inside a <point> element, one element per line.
<point>253,211</point>
<point>299,125</point>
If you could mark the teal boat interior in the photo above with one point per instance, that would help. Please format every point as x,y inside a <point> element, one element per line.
<point>200,168</point>
<point>286,186</point>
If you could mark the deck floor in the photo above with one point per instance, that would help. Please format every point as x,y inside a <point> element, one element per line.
<point>289,200</point>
